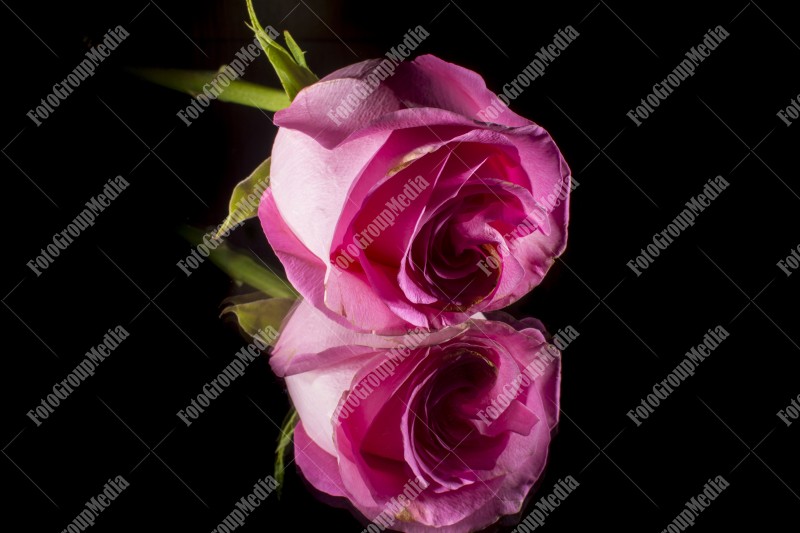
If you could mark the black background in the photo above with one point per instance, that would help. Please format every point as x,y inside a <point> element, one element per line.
<point>633,181</point>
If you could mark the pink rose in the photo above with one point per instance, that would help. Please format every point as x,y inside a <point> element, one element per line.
<point>392,205</point>
<point>446,430</point>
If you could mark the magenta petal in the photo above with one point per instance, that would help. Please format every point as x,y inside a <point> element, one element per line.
<point>310,184</point>
<point>313,110</point>
<point>430,82</point>
<point>318,466</point>
<point>305,271</point>
<point>309,340</point>
<point>355,299</point>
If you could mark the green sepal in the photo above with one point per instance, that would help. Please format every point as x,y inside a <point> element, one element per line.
<point>240,207</point>
<point>284,439</point>
<point>293,73</point>
<point>255,313</point>
<point>243,267</point>
<point>237,92</point>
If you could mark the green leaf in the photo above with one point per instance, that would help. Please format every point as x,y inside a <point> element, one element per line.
<point>294,76</point>
<point>262,36</point>
<point>260,313</point>
<point>243,267</point>
<point>297,53</point>
<point>237,92</point>
<point>240,208</point>
<point>285,438</point>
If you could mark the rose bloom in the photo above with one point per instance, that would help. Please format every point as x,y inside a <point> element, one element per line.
<point>392,205</point>
<point>445,430</point>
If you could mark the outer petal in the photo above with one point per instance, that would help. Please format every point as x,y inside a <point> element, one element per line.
<point>313,110</point>
<point>310,340</point>
<point>316,394</point>
<point>431,82</point>
<point>305,271</point>
<point>425,82</point>
<point>318,466</point>
<point>310,184</point>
